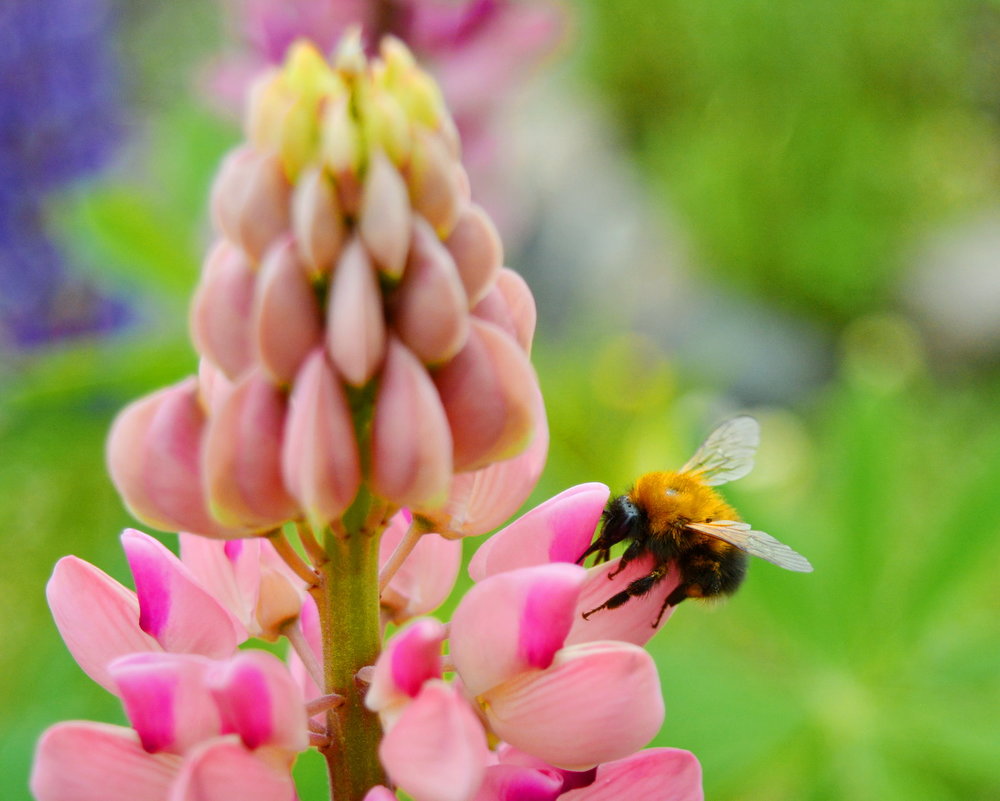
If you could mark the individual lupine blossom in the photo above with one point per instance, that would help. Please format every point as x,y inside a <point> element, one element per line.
<point>481,51</point>
<point>349,261</point>
<point>60,121</point>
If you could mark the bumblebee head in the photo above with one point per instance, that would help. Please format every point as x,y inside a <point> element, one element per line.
<point>669,497</point>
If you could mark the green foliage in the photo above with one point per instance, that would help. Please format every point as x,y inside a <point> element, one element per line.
<point>804,144</point>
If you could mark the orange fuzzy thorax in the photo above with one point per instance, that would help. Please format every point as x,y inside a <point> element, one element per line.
<point>671,499</point>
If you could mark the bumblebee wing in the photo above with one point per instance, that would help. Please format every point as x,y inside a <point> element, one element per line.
<point>727,454</point>
<point>756,543</point>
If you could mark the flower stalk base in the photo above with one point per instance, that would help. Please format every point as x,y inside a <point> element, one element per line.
<point>349,618</point>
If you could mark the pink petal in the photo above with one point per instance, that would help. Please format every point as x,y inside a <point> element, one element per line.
<point>174,608</point>
<point>475,245</point>
<point>154,457</point>
<point>287,322</point>
<point>565,714</point>
<point>278,603</point>
<point>220,310</point>
<point>520,305</point>
<point>437,749</point>
<point>430,311</point>
<point>425,580</point>
<point>559,530</point>
<point>410,658</point>
<point>242,457</point>
<point>317,221</point>
<point>435,181</point>
<point>355,321</point>
<point>260,702</point>
<point>518,783</point>
<point>481,500</point>
<point>657,774</point>
<point>513,622</point>
<point>320,462</point>
<point>223,770</point>
<point>632,622</point>
<point>309,621</point>
<point>229,570</point>
<point>250,200</point>
<point>411,442</point>
<point>97,617</point>
<point>167,700</point>
<point>82,761</point>
<point>488,391</point>
<point>380,793</point>
<point>385,216</point>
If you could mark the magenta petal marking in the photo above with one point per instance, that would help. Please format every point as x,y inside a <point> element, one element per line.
<point>252,718</point>
<point>152,586</point>
<point>151,711</point>
<point>416,657</point>
<point>546,619</point>
<point>233,549</point>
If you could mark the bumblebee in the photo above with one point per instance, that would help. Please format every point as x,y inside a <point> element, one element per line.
<point>679,519</point>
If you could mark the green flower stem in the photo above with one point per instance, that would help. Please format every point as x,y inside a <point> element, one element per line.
<point>349,617</point>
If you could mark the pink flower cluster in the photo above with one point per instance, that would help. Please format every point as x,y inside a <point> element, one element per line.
<point>531,701</point>
<point>364,380</point>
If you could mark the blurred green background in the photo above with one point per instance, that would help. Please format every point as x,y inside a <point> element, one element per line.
<point>812,157</point>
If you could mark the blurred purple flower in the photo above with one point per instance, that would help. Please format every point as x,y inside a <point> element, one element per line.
<point>480,51</point>
<point>60,120</point>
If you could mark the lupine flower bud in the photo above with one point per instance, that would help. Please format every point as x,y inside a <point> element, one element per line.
<point>356,301</point>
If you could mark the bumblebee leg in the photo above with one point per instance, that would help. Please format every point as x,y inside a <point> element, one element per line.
<point>640,586</point>
<point>633,550</point>
<point>678,594</point>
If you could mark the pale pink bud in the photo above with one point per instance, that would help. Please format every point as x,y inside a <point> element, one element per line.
<point>213,386</point>
<point>317,221</point>
<point>385,217</point>
<point>242,457</point>
<point>250,200</point>
<point>488,391</point>
<point>83,761</point>
<point>480,500</point>
<point>355,322</point>
<point>221,310</point>
<point>287,322</point>
<point>411,442</point>
<point>435,186</point>
<point>154,457</point>
<point>478,253</point>
<point>321,464</point>
<point>510,305</point>
<point>278,603</point>
<point>430,309</point>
